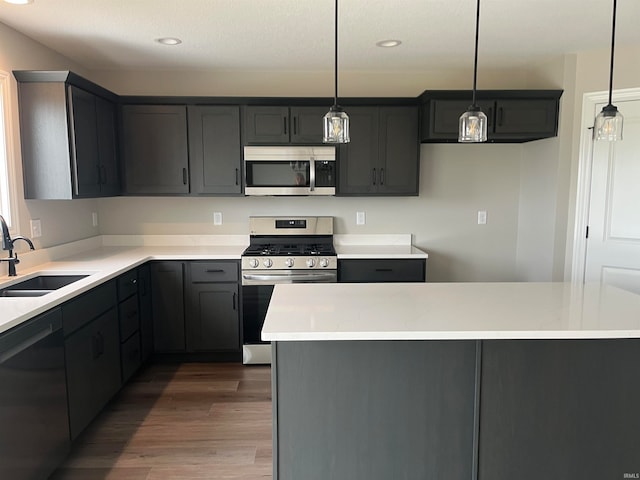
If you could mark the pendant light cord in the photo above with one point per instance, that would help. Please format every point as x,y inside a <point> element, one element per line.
<point>335,97</point>
<point>613,43</point>
<point>475,60</point>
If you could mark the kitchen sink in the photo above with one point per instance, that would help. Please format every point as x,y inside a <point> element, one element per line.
<point>40,285</point>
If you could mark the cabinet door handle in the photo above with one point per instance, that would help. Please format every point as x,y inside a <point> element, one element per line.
<point>237,176</point>
<point>95,347</point>
<point>295,125</point>
<point>382,176</point>
<point>374,176</point>
<point>100,343</point>
<point>184,176</point>
<point>285,121</point>
<point>234,300</point>
<point>500,116</point>
<point>490,117</point>
<point>143,288</point>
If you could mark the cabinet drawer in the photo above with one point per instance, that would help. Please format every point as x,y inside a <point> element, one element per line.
<point>213,272</point>
<point>83,309</point>
<point>130,356</point>
<point>384,270</point>
<point>129,318</point>
<point>127,284</point>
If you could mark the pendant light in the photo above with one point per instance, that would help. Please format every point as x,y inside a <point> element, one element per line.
<point>473,122</point>
<point>608,124</point>
<point>336,122</point>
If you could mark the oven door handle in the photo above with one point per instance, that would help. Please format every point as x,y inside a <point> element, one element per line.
<point>292,278</point>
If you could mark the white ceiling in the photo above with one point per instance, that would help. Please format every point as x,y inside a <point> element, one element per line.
<point>298,34</point>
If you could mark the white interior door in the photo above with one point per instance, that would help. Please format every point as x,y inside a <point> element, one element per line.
<point>613,246</point>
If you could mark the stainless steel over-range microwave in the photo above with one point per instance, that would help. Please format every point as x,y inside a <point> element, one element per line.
<point>290,170</point>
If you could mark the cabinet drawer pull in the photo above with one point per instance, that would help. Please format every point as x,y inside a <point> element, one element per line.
<point>384,270</point>
<point>214,270</point>
<point>382,176</point>
<point>374,176</point>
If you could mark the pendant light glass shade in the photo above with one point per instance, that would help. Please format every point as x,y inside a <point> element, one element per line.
<point>473,122</point>
<point>608,124</point>
<point>473,126</point>
<point>336,126</point>
<point>336,121</point>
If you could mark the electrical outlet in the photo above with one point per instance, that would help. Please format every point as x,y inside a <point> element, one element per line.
<point>360,218</point>
<point>482,217</point>
<point>36,228</point>
<point>217,218</point>
<point>94,219</point>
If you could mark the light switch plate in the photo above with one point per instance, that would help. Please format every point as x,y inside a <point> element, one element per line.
<point>360,218</point>
<point>94,219</point>
<point>36,228</point>
<point>482,217</point>
<point>217,218</point>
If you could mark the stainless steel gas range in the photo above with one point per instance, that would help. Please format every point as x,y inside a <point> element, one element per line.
<point>281,250</point>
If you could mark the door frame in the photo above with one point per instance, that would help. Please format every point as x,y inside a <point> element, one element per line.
<point>585,160</point>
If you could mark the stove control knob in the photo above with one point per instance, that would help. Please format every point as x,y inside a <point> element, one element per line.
<point>253,263</point>
<point>311,262</point>
<point>289,262</point>
<point>267,262</point>
<point>324,262</point>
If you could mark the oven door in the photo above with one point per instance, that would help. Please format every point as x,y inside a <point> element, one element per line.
<point>257,288</point>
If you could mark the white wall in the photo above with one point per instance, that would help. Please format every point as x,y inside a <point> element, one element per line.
<point>62,221</point>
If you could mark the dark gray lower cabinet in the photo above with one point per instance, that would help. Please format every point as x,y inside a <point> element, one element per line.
<point>558,409</point>
<point>213,322</point>
<point>167,287</point>
<point>382,270</point>
<point>374,410</point>
<point>93,369</point>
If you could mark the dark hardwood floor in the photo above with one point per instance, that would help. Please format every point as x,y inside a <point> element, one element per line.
<point>180,422</point>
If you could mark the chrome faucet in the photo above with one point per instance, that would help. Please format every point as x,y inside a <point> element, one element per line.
<point>8,244</point>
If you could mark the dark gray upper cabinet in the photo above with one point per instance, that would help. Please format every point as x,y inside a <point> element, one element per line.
<point>215,151</point>
<point>68,136</point>
<point>265,125</point>
<point>383,155</point>
<point>155,149</point>
<point>513,116</point>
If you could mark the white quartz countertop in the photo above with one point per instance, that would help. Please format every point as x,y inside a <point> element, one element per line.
<point>379,252</point>
<point>100,265</point>
<point>444,311</point>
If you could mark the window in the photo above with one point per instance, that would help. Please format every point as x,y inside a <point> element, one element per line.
<point>5,151</point>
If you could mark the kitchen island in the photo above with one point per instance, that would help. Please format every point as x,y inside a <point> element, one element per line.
<point>459,381</point>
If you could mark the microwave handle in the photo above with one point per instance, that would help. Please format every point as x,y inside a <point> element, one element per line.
<point>312,174</point>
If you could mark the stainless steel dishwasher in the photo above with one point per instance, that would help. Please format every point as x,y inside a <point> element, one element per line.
<point>34,422</point>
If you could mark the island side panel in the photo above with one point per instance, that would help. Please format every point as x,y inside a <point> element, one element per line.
<point>374,410</point>
<point>557,409</point>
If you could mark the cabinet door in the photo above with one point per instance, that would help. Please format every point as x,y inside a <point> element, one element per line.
<point>145,311</point>
<point>306,124</point>
<point>92,356</point>
<point>84,145</point>
<point>215,150</point>
<point>213,321</point>
<point>399,151</point>
<point>536,118</point>
<point>155,151</point>
<point>559,409</point>
<point>358,160</point>
<point>167,282</point>
<point>266,125</point>
<point>107,148</point>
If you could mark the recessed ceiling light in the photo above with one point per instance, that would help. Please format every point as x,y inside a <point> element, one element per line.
<point>388,43</point>
<point>169,41</point>
<point>19,2</point>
